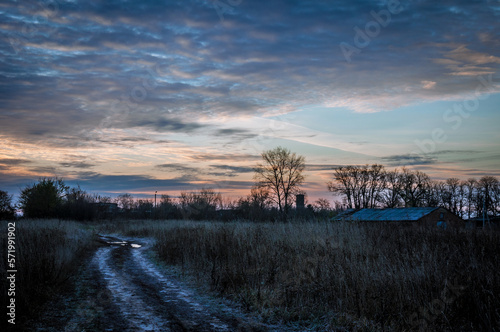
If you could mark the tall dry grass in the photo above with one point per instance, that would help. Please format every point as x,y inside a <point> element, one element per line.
<point>48,253</point>
<point>354,276</point>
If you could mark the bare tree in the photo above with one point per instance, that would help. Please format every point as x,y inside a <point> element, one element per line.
<point>376,184</point>
<point>362,186</point>
<point>200,204</point>
<point>259,197</point>
<point>125,202</point>
<point>488,188</point>
<point>470,189</point>
<point>281,173</point>
<point>390,195</point>
<point>415,188</point>
<point>322,204</point>
<point>346,183</point>
<point>254,206</point>
<point>437,194</point>
<point>451,195</point>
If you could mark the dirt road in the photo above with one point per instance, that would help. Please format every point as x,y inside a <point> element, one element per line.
<point>121,289</point>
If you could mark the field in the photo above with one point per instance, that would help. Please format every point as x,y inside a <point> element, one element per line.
<point>47,254</point>
<point>317,276</point>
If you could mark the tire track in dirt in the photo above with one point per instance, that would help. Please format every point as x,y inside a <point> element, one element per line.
<point>151,301</point>
<point>132,308</point>
<point>179,300</point>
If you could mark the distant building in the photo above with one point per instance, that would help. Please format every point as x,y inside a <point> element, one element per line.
<point>300,201</point>
<point>488,222</point>
<point>105,210</point>
<point>429,216</point>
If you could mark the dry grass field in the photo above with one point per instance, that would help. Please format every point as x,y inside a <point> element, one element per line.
<point>369,277</point>
<point>321,276</point>
<point>48,253</point>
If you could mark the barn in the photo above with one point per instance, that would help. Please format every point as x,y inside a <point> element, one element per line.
<point>428,216</point>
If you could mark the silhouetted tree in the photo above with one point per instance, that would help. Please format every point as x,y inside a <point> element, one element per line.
<point>281,174</point>
<point>322,208</point>
<point>7,210</point>
<point>390,195</point>
<point>362,186</point>
<point>77,205</point>
<point>167,209</point>
<point>200,205</point>
<point>415,187</point>
<point>470,189</point>
<point>125,202</point>
<point>43,199</point>
<point>255,206</point>
<point>144,208</point>
<point>488,197</point>
<point>322,204</point>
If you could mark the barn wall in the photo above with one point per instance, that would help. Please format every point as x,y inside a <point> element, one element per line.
<point>434,217</point>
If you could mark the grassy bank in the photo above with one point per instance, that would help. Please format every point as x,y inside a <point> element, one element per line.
<point>47,254</point>
<point>369,277</point>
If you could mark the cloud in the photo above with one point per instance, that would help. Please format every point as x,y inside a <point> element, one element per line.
<point>109,76</point>
<point>408,160</point>
<point>14,161</point>
<point>237,169</point>
<point>130,183</point>
<point>194,173</point>
<point>77,164</point>
<point>493,158</point>
<point>228,170</point>
<point>448,152</point>
<point>235,134</point>
<point>428,84</point>
<point>228,156</point>
<point>99,55</point>
<point>320,167</point>
<point>163,124</point>
<point>44,170</point>
<point>178,168</point>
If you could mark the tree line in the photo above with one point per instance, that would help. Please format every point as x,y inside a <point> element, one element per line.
<point>278,179</point>
<point>376,187</point>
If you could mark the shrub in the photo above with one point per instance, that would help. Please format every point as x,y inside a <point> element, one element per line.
<point>43,199</point>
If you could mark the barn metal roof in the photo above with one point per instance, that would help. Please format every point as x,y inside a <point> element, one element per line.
<point>397,214</point>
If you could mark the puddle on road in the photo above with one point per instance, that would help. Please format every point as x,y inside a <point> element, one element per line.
<point>113,241</point>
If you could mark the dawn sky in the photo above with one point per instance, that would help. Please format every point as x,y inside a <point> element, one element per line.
<point>145,96</point>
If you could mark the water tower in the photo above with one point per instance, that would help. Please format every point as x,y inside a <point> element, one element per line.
<point>299,201</point>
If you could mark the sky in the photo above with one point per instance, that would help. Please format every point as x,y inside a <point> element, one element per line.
<point>170,96</point>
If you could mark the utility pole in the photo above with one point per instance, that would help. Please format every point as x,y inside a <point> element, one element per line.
<point>485,213</point>
<point>484,208</point>
<point>155,206</point>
